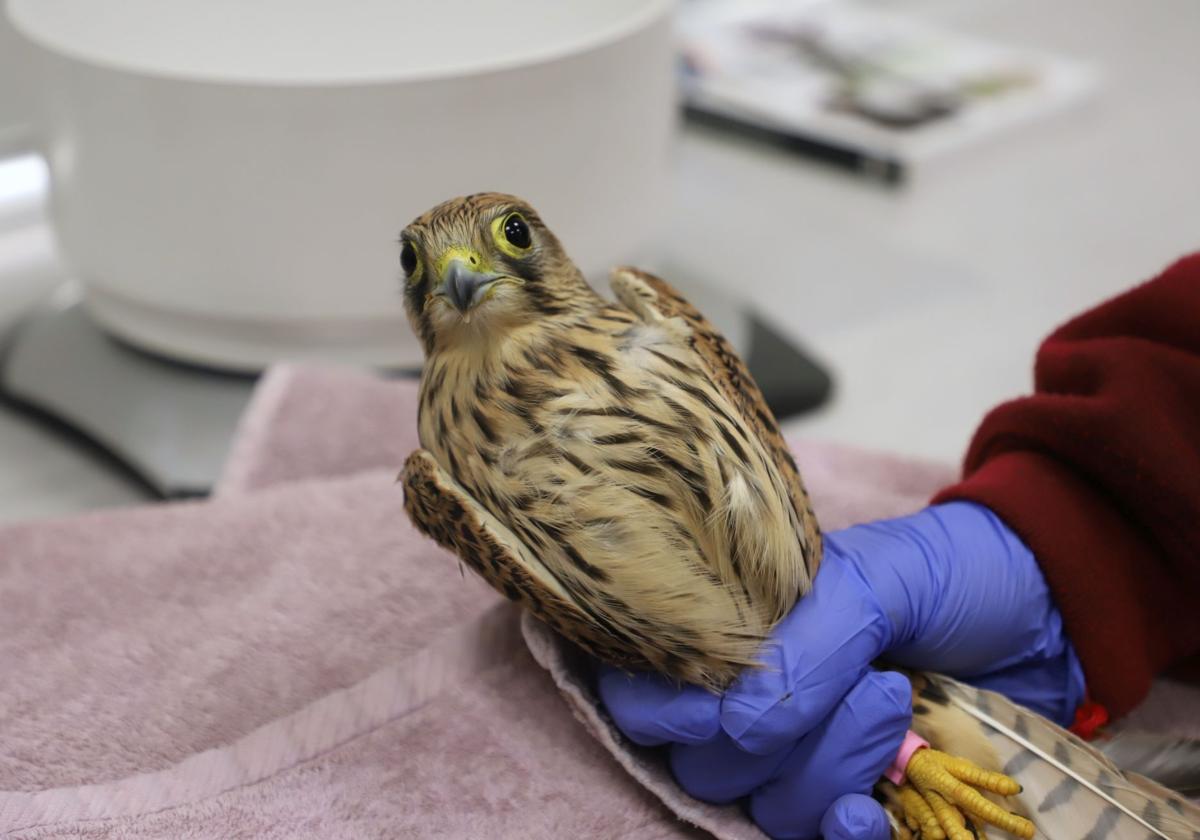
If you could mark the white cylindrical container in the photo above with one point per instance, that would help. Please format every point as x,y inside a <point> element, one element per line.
<point>229,177</point>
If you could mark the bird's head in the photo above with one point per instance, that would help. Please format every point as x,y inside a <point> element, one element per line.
<point>481,263</point>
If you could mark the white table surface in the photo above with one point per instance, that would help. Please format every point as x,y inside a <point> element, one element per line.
<point>927,302</point>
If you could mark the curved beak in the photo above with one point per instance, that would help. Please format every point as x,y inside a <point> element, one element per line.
<point>463,286</point>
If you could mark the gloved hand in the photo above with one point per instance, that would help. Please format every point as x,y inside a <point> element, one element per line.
<point>950,588</point>
<point>813,785</point>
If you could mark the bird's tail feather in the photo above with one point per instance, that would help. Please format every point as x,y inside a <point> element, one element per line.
<point>1072,791</point>
<point>1169,760</point>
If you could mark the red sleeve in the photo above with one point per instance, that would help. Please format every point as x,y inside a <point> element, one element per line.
<point>1099,472</point>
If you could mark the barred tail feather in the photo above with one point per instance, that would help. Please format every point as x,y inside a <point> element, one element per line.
<point>1169,760</point>
<point>1071,790</point>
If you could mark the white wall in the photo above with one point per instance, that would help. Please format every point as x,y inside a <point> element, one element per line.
<point>15,100</point>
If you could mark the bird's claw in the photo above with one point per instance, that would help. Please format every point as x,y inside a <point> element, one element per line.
<point>940,800</point>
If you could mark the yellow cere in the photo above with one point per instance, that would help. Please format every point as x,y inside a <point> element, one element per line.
<point>467,256</point>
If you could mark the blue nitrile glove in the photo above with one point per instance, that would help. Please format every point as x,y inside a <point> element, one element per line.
<point>799,790</point>
<point>950,588</point>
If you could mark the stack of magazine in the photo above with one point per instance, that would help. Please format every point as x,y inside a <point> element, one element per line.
<point>863,87</point>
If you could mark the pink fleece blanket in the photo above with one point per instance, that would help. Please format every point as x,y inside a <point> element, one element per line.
<point>291,659</point>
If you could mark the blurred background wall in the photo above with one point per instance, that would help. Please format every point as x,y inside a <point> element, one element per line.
<point>924,301</point>
<point>16,100</point>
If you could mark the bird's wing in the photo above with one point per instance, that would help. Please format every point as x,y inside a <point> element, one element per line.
<point>653,300</point>
<point>443,510</point>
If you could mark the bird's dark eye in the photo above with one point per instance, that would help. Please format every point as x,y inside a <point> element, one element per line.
<point>408,259</point>
<point>516,231</point>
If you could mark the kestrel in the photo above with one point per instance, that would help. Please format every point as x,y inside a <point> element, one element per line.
<point>614,468</point>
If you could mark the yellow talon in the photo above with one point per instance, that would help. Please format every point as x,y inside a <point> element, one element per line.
<point>950,818</point>
<point>919,815</point>
<point>934,773</point>
<point>902,826</point>
<point>965,771</point>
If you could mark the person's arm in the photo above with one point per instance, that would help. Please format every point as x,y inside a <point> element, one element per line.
<point>1099,473</point>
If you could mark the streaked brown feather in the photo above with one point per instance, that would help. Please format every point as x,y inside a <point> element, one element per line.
<point>443,511</point>
<point>610,450</point>
<point>730,374</point>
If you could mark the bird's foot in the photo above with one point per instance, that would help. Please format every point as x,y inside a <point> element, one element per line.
<point>940,799</point>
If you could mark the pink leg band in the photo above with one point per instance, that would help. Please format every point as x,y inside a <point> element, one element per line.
<point>912,743</point>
